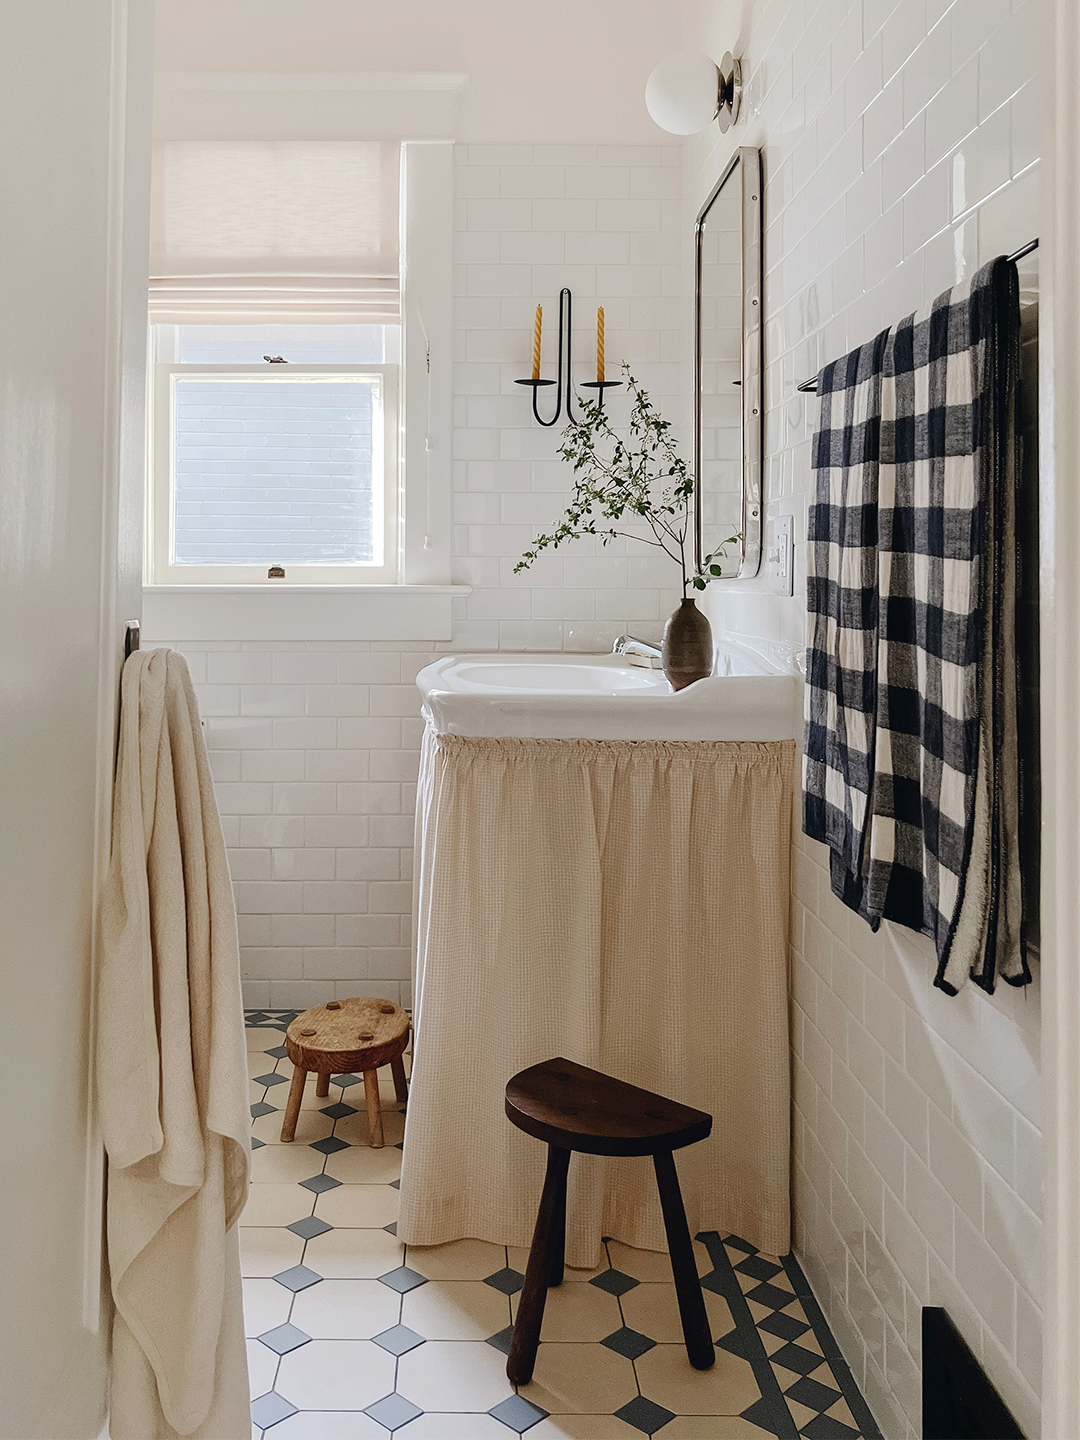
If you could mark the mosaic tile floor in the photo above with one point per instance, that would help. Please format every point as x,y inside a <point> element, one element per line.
<point>354,1335</point>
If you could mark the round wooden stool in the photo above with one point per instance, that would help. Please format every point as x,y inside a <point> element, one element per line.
<point>347,1037</point>
<point>573,1108</point>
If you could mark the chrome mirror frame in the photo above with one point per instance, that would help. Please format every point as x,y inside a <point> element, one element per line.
<point>747,160</point>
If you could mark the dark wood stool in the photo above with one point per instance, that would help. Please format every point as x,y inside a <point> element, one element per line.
<point>573,1108</point>
<point>344,1037</point>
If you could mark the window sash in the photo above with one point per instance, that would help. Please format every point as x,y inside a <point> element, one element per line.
<point>161,568</point>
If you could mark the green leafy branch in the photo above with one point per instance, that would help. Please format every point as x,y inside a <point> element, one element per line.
<point>640,478</point>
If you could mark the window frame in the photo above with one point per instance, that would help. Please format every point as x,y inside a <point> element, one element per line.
<point>161,567</point>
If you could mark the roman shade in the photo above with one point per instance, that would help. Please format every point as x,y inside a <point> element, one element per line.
<point>271,231</point>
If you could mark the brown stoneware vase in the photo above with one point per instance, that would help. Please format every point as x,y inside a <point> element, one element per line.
<point>687,652</point>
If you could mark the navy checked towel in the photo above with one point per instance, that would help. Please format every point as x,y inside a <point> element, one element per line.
<point>911,774</point>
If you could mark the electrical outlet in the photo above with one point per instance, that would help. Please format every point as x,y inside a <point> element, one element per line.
<point>780,554</point>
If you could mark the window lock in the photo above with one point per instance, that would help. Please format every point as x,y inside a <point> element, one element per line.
<point>276,572</point>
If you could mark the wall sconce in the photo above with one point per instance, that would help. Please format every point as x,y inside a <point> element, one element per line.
<point>600,384</point>
<point>687,91</point>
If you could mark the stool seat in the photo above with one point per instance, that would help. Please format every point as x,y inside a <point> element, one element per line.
<point>575,1108</point>
<point>572,1108</point>
<point>344,1037</point>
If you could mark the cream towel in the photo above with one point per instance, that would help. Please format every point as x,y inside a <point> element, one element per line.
<point>171,1076</point>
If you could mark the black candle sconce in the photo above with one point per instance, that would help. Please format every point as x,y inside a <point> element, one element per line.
<point>564,370</point>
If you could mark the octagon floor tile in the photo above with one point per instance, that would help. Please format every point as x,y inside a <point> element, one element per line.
<point>335,1375</point>
<point>667,1377</point>
<point>580,1379</point>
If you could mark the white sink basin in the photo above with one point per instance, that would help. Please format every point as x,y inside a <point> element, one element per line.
<point>602,697</point>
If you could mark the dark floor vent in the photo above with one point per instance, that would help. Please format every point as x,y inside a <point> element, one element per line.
<point>959,1402</point>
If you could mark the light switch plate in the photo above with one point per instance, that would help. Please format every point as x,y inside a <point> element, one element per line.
<point>780,554</point>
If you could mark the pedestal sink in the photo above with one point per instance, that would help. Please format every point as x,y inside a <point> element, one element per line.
<point>602,697</point>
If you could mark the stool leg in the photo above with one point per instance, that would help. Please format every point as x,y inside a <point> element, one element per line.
<point>292,1107</point>
<point>374,1108</point>
<point>530,1315</point>
<point>695,1322</point>
<point>322,1085</point>
<point>401,1085</point>
<point>556,1248</point>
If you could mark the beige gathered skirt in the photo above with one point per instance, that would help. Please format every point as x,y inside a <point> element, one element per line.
<point>623,904</point>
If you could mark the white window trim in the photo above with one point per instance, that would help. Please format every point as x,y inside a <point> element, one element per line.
<point>161,569</point>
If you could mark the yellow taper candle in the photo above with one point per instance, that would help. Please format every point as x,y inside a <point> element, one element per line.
<point>536,343</point>
<point>600,343</point>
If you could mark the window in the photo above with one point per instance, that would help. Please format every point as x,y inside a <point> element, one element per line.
<point>286,464</point>
<point>275,310</point>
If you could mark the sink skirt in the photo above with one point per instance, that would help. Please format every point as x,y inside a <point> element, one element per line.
<point>625,905</point>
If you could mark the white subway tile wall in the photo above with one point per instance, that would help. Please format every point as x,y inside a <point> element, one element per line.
<point>900,146</point>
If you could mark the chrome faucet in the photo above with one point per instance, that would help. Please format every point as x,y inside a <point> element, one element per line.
<point>631,647</point>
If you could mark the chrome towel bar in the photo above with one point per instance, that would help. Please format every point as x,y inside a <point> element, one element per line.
<point>809,387</point>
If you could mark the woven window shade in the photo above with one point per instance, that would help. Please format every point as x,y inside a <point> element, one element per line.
<point>265,231</point>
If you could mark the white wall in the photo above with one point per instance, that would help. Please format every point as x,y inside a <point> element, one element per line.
<point>562,73</point>
<point>72,333</point>
<point>901,151</point>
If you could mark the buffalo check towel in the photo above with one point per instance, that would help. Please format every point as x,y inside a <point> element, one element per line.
<point>910,771</point>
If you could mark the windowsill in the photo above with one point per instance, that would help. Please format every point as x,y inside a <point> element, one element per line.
<point>275,611</point>
<point>285,587</point>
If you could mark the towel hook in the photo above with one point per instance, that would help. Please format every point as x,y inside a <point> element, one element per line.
<point>131,636</point>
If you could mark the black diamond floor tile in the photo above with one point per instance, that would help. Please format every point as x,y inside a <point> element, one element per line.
<point>317,1184</point>
<point>268,1409</point>
<point>309,1227</point>
<point>278,1052</point>
<point>284,1338</point>
<point>338,1111</point>
<point>257,1144</point>
<point>271,1079</point>
<point>395,1184</point>
<point>330,1146</point>
<point>393,1411</point>
<point>740,1244</point>
<point>507,1280</point>
<point>297,1277</point>
<point>391,1229</point>
<point>517,1413</point>
<point>261,1108</point>
<point>770,1295</point>
<point>346,1080</point>
<point>797,1358</point>
<point>402,1279</point>
<point>399,1339</point>
<point>644,1415</point>
<point>826,1427</point>
<point>813,1394</point>
<point>758,1267</point>
<point>503,1340</point>
<point>615,1282</point>
<point>628,1343</point>
<point>786,1326</point>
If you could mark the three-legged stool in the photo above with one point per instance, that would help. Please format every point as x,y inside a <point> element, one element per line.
<point>347,1037</point>
<point>573,1108</point>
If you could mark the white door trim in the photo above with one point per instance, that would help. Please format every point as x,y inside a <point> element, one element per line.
<point>1059,319</point>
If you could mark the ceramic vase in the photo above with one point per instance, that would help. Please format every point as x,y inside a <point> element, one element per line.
<point>687,653</point>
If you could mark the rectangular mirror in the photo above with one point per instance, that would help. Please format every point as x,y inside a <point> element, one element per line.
<point>728,395</point>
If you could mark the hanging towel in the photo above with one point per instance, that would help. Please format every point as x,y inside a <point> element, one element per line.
<point>842,605</point>
<point>938,849</point>
<point>171,1076</point>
